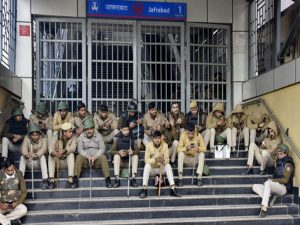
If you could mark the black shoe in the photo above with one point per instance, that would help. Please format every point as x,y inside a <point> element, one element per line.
<point>51,185</point>
<point>233,154</point>
<point>15,222</point>
<point>75,182</point>
<point>262,214</point>
<point>248,171</point>
<point>117,183</point>
<point>144,193</point>
<point>172,164</point>
<point>199,182</point>
<point>108,182</point>
<point>174,193</point>
<point>262,172</point>
<point>179,183</point>
<point>133,182</point>
<point>69,185</point>
<point>272,200</point>
<point>45,184</point>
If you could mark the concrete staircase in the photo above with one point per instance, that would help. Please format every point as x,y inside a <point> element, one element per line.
<point>225,199</point>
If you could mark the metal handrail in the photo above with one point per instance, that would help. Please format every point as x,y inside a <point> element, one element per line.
<point>272,115</point>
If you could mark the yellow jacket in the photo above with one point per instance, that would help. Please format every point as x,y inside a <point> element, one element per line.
<point>58,121</point>
<point>184,141</point>
<point>152,153</point>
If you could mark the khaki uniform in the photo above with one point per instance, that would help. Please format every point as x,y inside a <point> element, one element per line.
<point>265,157</point>
<point>59,144</point>
<point>78,120</point>
<point>109,129</point>
<point>153,168</point>
<point>172,134</point>
<point>45,123</point>
<point>58,121</point>
<point>91,147</point>
<point>212,128</point>
<point>151,125</point>
<point>258,124</point>
<point>13,189</point>
<point>274,186</point>
<point>38,149</point>
<point>188,157</point>
<point>238,127</point>
<point>123,163</point>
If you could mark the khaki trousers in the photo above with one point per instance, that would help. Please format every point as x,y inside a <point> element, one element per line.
<point>100,162</point>
<point>260,138</point>
<point>118,162</point>
<point>40,163</point>
<point>269,187</point>
<point>63,164</point>
<point>210,135</point>
<point>184,160</point>
<point>49,135</point>
<point>206,136</point>
<point>148,170</point>
<point>16,213</point>
<point>262,157</point>
<point>173,150</point>
<point>7,144</point>
<point>244,135</point>
<point>108,139</point>
<point>146,139</point>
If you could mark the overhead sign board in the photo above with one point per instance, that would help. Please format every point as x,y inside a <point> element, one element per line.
<point>136,10</point>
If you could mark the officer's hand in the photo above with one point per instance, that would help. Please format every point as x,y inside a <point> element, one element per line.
<point>158,127</point>
<point>130,152</point>
<point>139,121</point>
<point>27,156</point>
<point>13,205</point>
<point>122,153</point>
<point>35,157</point>
<point>91,161</point>
<point>179,121</point>
<point>167,124</point>
<point>54,154</point>
<point>79,131</point>
<point>3,206</point>
<point>262,125</point>
<point>132,125</point>
<point>236,124</point>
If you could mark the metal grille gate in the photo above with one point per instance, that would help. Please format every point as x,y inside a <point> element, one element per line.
<point>60,62</point>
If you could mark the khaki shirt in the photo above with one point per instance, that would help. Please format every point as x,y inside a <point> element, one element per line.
<point>91,147</point>
<point>152,153</point>
<point>38,149</point>
<point>233,120</point>
<point>272,144</point>
<point>58,121</point>
<point>184,141</point>
<point>150,124</point>
<point>45,123</point>
<point>173,132</point>
<point>57,144</point>
<point>211,122</point>
<point>109,124</point>
<point>78,120</point>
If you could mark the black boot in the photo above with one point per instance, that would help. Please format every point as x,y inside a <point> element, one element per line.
<point>199,182</point>
<point>117,183</point>
<point>15,222</point>
<point>174,193</point>
<point>262,214</point>
<point>248,171</point>
<point>75,182</point>
<point>272,200</point>
<point>133,182</point>
<point>179,183</point>
<point>143,193</point>
<point>45,184</point>
<point>108,182</point>
<point>51,183</point>
<point>262,172</point>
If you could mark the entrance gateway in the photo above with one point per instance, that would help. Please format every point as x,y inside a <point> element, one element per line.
<point>111,61</point>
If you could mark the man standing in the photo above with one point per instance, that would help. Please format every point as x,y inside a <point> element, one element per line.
<point>174,125</point>
<point>61,153</point>
<point>62,116</point>
<point>43,119</point>
<point>237,121</point>
<point>280,184</point>
<point>123,147</point>
<point>14,132</point>
<point>34,149</point>
<point>91,153</point>
<point>134,118</point>
<point>266,152</point>
<point>79,116</point>
<point>13,193</point>
<point>216,123</point>
<point>156,162</point>
<point>191,151</point>
<point>153,121</point>
<point>106,124</point>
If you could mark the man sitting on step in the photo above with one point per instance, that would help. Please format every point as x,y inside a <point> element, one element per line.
<point>13,194</point>
<point>79,116</point>
<point>258,127</point>
<point>191,151</point>
<point>266,152</point>
<point>91,153</point>
<point>62,116</point>
<point>34,149</point>
<point>61,153</point>
<point>156,162</point>
<point>123,147</point>
<point>280,184</point>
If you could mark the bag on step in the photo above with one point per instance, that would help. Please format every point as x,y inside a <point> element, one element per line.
<point>222,151</point>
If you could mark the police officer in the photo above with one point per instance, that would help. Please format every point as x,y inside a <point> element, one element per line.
<point>79,116</point>
<point>62,116</point>
<point>280,184</point>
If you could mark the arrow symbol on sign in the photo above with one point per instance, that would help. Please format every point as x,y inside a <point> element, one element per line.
<point>94,6</point>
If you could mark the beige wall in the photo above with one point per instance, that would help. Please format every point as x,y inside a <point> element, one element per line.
<point>285,105</point>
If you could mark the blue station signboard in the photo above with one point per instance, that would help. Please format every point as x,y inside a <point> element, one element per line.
<point>168,11</point>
